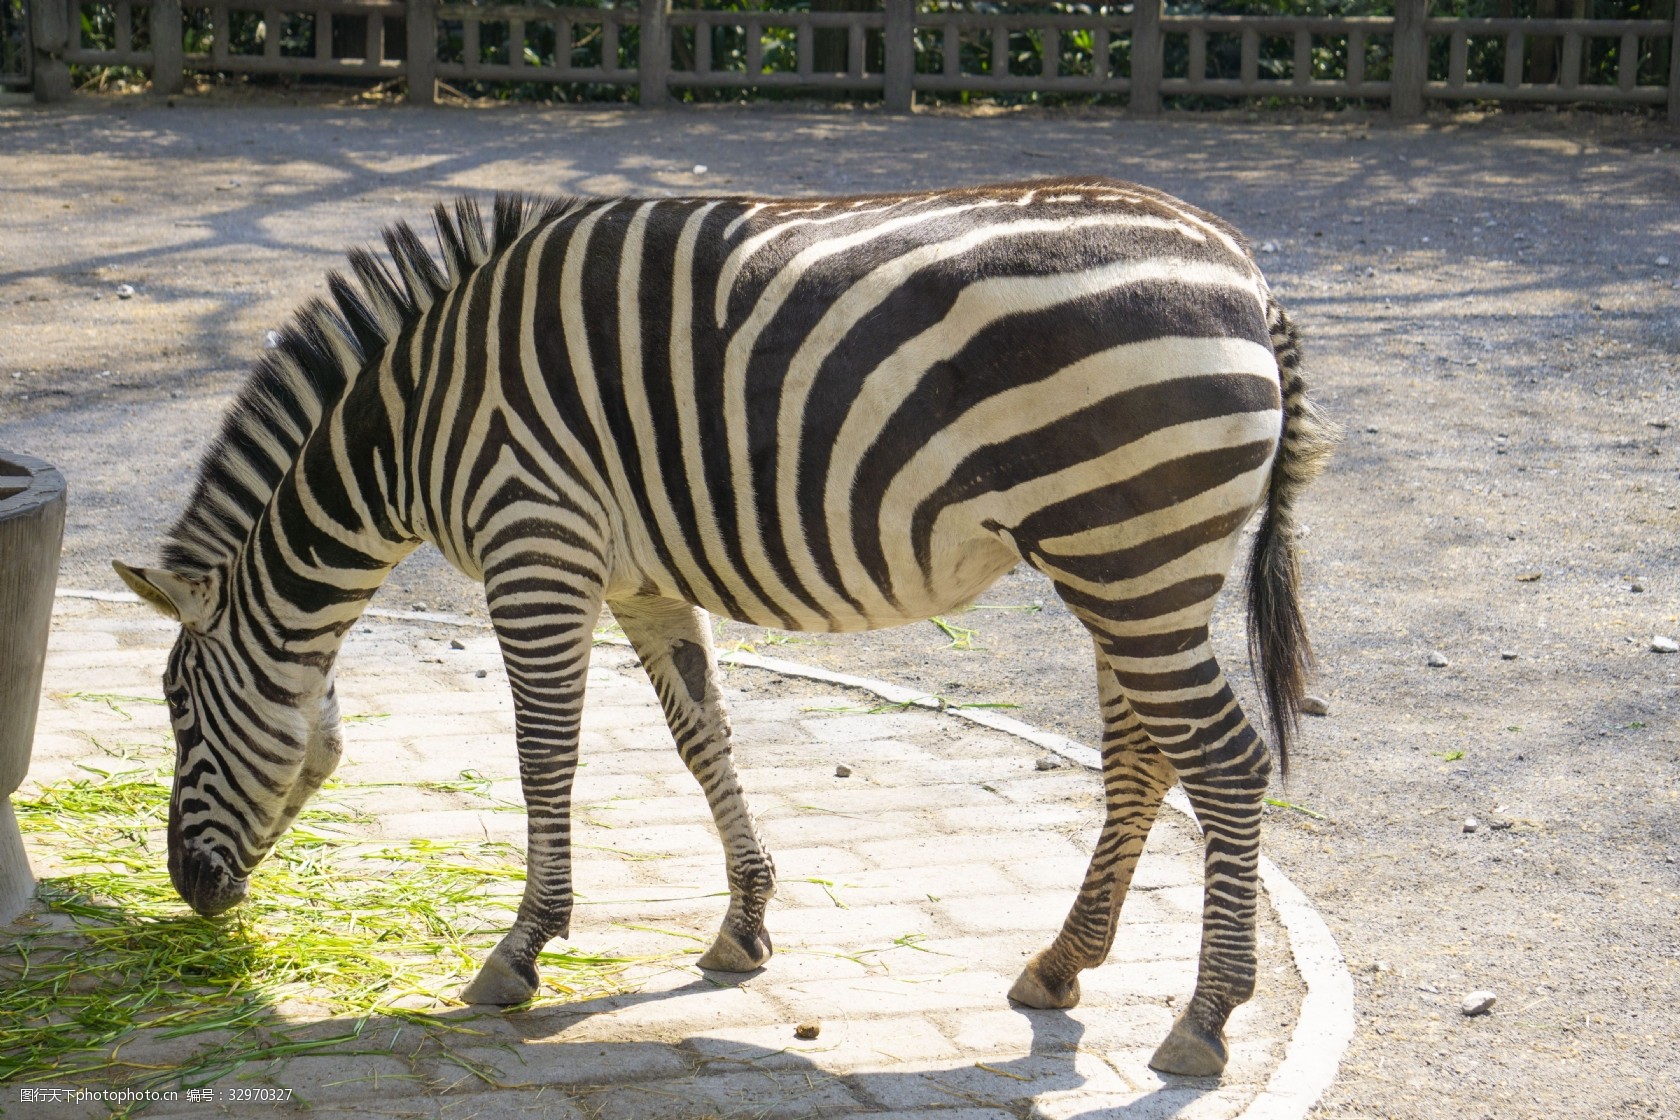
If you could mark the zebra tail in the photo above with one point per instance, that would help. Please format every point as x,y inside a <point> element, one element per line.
<point>1277,632</point>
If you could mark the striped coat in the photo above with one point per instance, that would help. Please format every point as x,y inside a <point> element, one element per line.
<point>829,414</point>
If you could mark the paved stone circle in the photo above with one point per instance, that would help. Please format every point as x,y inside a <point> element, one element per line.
<point>944,830</point>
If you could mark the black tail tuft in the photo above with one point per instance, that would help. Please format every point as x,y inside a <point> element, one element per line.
<point>1277,632</point>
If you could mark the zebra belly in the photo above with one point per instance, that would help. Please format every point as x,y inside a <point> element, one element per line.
<point>960,572</point>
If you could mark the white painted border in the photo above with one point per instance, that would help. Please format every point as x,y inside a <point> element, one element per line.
<point>1324,1026</point>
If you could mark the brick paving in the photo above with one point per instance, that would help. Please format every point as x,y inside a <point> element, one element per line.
<point>945,834</point>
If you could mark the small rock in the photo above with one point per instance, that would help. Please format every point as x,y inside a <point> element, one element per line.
<point>699,169</point>
<point>807,1031</point>
<point>1471,824</point>
<point>271,340</point>
<point>1637,588</point>
<point>1658,424</point>
<point>1660,644</point>
<point>1048,762</point>
<point>1268,246</point>
<point>1507,655</point>
<point>1381,966</point>
<point>842,771</point>
<point>456,643</point>
<point>1529,577</point>
<point>418,607</point>
<point>1596,306</point>
<point>1438,660</point>
<point>1478,1003</point>
<point>1315,705</point>
<point>125,291</point>
<point>1501,826</point>
<point>1662,262</point>
<point>481,673</point>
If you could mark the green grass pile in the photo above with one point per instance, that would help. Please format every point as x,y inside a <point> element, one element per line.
<point>337,933</point>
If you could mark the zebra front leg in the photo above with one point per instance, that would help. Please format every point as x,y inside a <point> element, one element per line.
<point>1187,708</point>
<point>674,644</point>
<point>547,658</point>
<point>1135,778</point>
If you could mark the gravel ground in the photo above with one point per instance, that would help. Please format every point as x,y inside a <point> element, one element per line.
<point>1493,314</point>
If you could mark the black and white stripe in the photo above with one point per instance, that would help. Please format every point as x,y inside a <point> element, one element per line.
<point>829,414</point>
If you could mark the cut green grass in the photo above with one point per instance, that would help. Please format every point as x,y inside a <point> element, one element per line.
<point>378,936</point>
<point>366,717</point>
<point>829,886</point>
<point>470,782</point>
<point>1279,803</point>
<point>112,700</point>
<point>961,636</point>
<point>768,638</point>
<point>942,703</point>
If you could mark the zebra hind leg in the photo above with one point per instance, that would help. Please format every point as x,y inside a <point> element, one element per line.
<point>1135,778</point>
<point>674,643</point>
<point>1188,710</point>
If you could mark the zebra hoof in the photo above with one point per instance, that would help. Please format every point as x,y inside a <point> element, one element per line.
<point>1031,990</point>
<point>500,984</point>
<point>1190,1052</point>
<point>732,952</point>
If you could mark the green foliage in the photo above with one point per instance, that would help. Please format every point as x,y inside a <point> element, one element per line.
<point>14,22</point>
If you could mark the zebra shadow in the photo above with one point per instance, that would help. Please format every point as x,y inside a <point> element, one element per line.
<point>649,1054</point>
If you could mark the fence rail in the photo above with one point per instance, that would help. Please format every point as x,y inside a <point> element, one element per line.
<point>1138,49</point>
<point>512,26</point>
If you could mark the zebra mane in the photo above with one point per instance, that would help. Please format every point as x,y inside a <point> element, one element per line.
<point>320,353</point>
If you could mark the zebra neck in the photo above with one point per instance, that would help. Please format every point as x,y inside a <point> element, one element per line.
<point>321,547</point>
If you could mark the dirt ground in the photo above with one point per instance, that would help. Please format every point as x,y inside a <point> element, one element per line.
<point>1492,308</point>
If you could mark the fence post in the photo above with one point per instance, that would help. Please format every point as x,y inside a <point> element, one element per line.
<point>168,55</point>
<point>653,57</point>
<point>1411,59</point>
<point>1146,58</point>
<point>900,61</point>
<point>1674,71</point>
<point>49,36</point>
<point>420,22</point>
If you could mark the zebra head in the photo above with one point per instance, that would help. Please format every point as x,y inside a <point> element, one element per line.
<point>253,740</point>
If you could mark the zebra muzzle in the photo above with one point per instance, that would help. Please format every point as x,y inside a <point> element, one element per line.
<point>202,878</point>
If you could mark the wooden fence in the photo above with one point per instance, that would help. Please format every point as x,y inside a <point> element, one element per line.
<point>1140,50</point>
<point>15,52</point>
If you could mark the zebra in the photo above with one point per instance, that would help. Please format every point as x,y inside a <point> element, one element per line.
<point>824,414</point>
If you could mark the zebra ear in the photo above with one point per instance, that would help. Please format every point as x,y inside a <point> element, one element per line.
<point>182,598</point>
